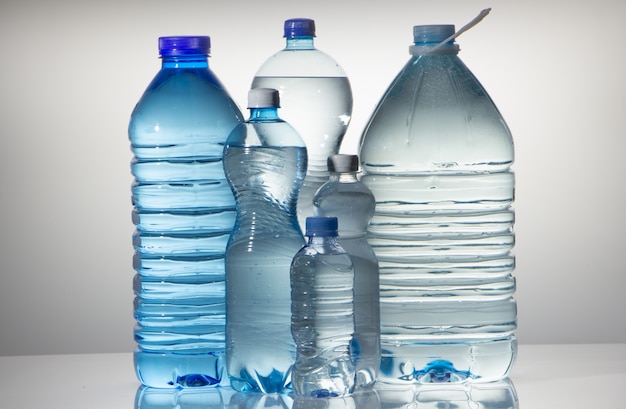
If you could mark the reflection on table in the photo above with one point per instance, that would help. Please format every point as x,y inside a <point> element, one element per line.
<point>493,395</point>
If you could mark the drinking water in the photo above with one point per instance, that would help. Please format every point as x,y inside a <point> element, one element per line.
<point>437,154</point>
<point>184,212</point>
<point>265,162</point>
<point>316,99</point>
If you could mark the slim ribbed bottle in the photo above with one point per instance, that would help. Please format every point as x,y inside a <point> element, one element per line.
<point>322,313</point>
<point>437,154</point>
<point>316,99</point>
<point>346,198</point>
<point>265,162</point>
<point>184,212</point>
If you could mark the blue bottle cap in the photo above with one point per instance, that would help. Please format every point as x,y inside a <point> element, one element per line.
<point>299,27</point>
<point>321,226</point>
<point>432,33</point>
<point>184,45</point>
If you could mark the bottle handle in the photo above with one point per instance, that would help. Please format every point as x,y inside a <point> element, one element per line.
<point>463,29</point>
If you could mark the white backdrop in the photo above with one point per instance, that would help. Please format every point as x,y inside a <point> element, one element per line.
<point>71,72</point>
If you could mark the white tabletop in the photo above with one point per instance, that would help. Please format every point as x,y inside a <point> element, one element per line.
<point>544,376</point>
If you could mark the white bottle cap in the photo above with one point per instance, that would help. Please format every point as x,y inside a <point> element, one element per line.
<point>263,98</point>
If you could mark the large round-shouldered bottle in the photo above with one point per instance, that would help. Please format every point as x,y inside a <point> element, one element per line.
<point>316,99</point>
<point>184,212</point>
<point>437,154</point>
<point>265,162</point>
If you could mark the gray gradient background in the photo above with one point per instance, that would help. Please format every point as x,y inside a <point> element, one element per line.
<point>71,72</point>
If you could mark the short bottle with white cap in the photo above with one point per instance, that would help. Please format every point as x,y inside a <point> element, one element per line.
<point>265,163</point>
<point>344,196</point>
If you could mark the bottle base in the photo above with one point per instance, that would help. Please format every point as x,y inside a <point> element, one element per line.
<point>179,370</point>
<point>324,378</point>
<point>447,363</point>
<point>275,382</point>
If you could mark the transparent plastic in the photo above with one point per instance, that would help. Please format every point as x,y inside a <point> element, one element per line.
<point>184,212</point>
<point>322,313</point>
<point>265,163</point>
<point>437,154</point>
<point>316,99</point>
<point>346,198</point>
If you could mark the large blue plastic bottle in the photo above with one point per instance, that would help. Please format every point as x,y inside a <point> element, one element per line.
<point>344,196</point>
<point>184,212</point>
<point>322,313</point>
<point>316,99</point>
<point>265,163</point>
<point>437,154</point>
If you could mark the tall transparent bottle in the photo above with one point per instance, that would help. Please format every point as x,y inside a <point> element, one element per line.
<point>184,212</point>
<point>316,99</point>
<point>437,154</point>
<point>265,163</point>
<point>322,313</point>
<point>348,199</point>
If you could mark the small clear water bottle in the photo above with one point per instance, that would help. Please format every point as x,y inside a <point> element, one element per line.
<point>265,163</point>
<point>184,212</point>
<point>322,313</point>
<point>316,99</point>
<point>348,199</point>
<point>437,154</point>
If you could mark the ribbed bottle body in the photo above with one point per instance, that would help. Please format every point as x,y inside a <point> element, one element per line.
<point>322,317</point>
<point>346,198</point>
<point>184,213</point>
<point>437,155</point>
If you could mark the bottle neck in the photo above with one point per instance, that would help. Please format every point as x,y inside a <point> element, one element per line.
<point>434,49</point>
<point>322,241</point>
<point>185,61</point>
<point>300,43</point>
<point>343,177</point>
<point>264,114</point>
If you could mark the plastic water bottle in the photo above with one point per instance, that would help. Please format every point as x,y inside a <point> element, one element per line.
<point>437,154</point>
<point>184,212</point>
<point>265,162</point>
<point>322,313</point>
<point>316,99</point>
<point>348,199</point>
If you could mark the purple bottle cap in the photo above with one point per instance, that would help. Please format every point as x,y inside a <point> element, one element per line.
<point>184,45</point>
<point>299,27</point>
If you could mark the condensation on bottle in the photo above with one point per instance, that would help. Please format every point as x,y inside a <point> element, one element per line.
<point>344,196</point>
<point>437,154</point>
<point>316,99</point>
<point>184,212</point>
<point>265,163</point>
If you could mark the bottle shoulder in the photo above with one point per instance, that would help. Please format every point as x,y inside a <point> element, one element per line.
<point>265,133</point>
<point>300,63</point>
<point>435,117</point>
<point>323,253</point>
<point>188,93</point>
